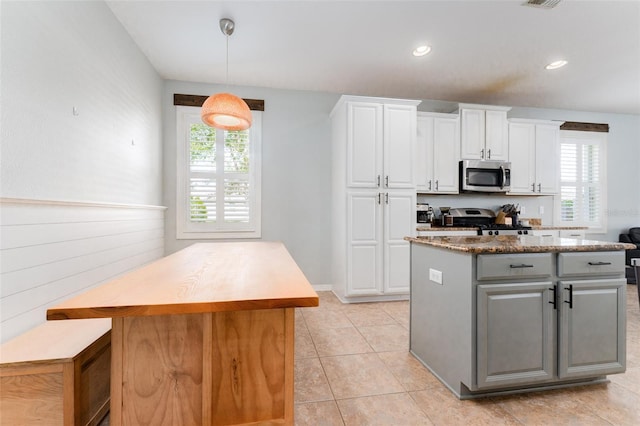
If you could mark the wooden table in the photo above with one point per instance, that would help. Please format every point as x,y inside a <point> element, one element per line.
<point>203,336</point>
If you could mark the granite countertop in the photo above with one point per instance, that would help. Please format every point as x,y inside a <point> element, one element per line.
<point>446,228</point>
<point>490,244</point>
<point>561,228</point>
<point>475,228</point>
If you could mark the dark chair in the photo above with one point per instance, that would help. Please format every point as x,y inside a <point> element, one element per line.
<point>636,262</point>
<point>632,237</point>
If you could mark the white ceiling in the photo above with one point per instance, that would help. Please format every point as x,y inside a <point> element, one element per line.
<point>491,52</point>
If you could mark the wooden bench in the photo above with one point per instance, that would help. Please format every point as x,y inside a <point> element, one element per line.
<point>57,373</point>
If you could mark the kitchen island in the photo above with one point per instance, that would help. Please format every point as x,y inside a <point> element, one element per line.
<point>504,314</point>
<point>203,336</point>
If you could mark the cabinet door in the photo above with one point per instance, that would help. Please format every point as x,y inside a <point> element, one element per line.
<point>399,211</point>
<point>446,154</point>
<point>496,136</point>
<point>515,334</point>
<point>592,328</point>
<point>364,262</point>
<point>399,143</point>
<point>472,129</point>
<point>522,157</point>
<point>364,145</point>
<point>547,158</point>
<point>424,154</point>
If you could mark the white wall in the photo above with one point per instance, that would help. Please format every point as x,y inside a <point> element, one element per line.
<point>83,167</point>
<point>61,55</point>
<point>296,167</point>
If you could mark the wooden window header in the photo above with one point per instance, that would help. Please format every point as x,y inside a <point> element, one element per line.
<point>198,100</point>
<point>585,127</point>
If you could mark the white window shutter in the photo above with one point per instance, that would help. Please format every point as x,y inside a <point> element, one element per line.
<point>218,179</point>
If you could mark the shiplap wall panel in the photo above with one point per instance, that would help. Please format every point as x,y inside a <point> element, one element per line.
<point>50,251</point>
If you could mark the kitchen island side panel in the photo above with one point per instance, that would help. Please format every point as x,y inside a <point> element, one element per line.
<point>443,340</point>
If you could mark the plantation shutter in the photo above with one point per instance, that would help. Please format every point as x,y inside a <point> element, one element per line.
<point>220,186</point>
<point>582,181</point>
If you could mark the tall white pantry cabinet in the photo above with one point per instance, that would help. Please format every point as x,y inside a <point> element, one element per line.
<point>374,196</point>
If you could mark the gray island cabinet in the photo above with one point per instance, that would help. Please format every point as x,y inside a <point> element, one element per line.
<point>492,315</point>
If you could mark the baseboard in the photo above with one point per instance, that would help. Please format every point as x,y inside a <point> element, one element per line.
<point>322,287</point>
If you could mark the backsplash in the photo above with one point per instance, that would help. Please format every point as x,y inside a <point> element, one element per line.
<point>531,204</point>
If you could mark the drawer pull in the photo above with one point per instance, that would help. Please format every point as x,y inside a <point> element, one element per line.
<point>599,263</point>
<point>570,302</point>
<point>522,265</point>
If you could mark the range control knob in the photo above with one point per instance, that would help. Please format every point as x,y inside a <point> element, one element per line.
<point>519,232</point>
<point>496,233</point>
<point>525,232</point>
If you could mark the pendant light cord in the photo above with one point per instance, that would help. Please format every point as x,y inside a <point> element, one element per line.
<point>227,76</point>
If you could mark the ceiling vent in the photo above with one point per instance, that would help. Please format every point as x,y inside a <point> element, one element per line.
<point>545,4</point>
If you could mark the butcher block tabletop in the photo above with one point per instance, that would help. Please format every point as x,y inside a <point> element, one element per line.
<point>204,277</point>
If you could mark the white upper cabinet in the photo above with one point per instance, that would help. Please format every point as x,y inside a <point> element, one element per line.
<point>535,158</point>
<point>399,144</point>
<point>548,158</point>
<point>381,141</point>
<point>364,145</point>
<point>437,153</point>
<point>483,132</point>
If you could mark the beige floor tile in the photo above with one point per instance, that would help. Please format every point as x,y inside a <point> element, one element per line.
<point>557,407</point>
<point>369,316</point>
<point>612,402</point>
<point>398,311</point>
<point>329,301</point>
<point>300,323</point>
<point>409,371</point>
<point>352,376</point>
<point>383,338</point>
<point>444,408</point>
<point>326,319</point>
<point>339,341</point>
<point>383,410</point>
<point>304,347</point>
<point>630,379</point>
<point>324,413</point>
<point>310,382</point>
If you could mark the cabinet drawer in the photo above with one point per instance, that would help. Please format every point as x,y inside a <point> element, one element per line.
<point>591,263</point>
<point>505,266</point>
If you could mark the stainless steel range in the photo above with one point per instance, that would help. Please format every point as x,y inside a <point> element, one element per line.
<point>484,219</point>
<point>496,229</point>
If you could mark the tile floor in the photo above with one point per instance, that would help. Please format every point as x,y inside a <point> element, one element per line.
<point>353,368</point>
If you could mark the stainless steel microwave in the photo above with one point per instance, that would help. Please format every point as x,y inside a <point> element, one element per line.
<point>485,176</point>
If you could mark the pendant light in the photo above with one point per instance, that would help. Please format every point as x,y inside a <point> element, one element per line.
<point>224,110</point>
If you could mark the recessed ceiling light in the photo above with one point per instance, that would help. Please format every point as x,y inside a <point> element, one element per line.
<point>421,50</point>
<point>555,65</point>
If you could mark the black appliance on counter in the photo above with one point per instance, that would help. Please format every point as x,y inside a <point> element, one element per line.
<point>484,219</point>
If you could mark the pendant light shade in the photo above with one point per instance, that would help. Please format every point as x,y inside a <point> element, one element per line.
<point>224,110</point>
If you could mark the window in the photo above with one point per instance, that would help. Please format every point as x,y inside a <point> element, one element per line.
<point>582,199</point>
<point>218,194</point>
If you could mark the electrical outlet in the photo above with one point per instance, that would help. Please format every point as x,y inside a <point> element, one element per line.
<point>435,276</point>
<point>522,211</point>
<point>541,209</point>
